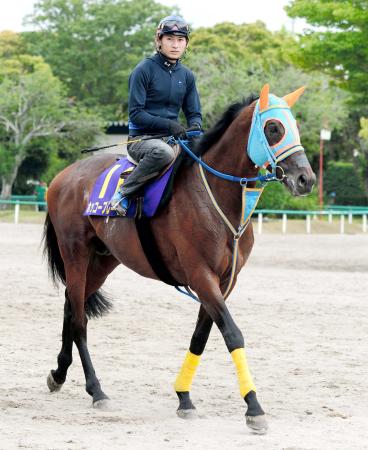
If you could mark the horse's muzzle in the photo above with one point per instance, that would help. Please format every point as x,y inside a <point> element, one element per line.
<point>301,184</point>
<point>299,176</point>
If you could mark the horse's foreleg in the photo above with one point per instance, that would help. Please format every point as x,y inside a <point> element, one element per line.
<point>213,302</point>
<point>57,377</point>
<point>187,372</point>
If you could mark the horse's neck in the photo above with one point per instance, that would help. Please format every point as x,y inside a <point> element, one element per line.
<point>229,156</point>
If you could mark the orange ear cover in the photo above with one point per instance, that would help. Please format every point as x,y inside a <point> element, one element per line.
<point>293,96</point>
<point>263,98</point>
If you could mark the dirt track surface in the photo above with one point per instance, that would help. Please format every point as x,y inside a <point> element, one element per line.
<point>301,303</point>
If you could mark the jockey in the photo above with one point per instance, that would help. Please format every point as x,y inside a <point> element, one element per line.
<point>159,87</point>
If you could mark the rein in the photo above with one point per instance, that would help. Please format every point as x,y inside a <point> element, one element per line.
<point>261,154</point>
<point>242,180</point>
<point>245,215</point>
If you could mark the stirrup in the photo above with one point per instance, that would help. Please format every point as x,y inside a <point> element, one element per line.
<point>121,206</point>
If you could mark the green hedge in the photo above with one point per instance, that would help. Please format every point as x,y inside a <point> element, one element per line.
<point>277,196</point>
<point>343,185</point>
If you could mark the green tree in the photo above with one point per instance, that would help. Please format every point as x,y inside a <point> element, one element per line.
<point>32,105</point>
<point>245,45</point>
<point>92,46</point>
<point>339,48</point>
<point>231,61</point>
<point>361,157</point>
<point>321,106</point>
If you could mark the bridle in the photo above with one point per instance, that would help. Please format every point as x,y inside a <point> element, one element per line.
<point>262,154</point>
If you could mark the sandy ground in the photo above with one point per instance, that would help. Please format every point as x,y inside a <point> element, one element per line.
<point>301,303</point>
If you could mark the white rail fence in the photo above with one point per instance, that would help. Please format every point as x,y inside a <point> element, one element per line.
<point>261,214</point>
<point>308,215</point>
<point>17,204</point>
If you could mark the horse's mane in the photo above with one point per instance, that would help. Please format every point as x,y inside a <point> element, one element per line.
<point>206,141</point>
<point>210,137</point>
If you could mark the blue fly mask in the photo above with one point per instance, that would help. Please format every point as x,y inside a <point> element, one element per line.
<point>270,107</point>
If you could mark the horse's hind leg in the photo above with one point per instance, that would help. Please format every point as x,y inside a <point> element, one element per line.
<point>57,377</point>
<point>76,283</point>
<point>99,268</point>
<point>83,278</point>
<point>187,372</point>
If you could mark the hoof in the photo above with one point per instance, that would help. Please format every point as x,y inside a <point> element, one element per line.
<point>104,404</point>
<point>51,383</point>
<point>187,414</point>
<point>257,424</point>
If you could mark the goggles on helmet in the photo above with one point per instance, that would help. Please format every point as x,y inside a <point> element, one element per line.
<point>178,27</point>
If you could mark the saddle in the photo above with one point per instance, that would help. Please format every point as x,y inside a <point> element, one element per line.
<point>155,195</point>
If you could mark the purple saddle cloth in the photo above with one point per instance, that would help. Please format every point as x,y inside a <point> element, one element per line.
<point>108,182</point>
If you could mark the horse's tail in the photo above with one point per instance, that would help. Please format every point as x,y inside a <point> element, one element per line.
<point>52,252</point>
<point>97,304</point>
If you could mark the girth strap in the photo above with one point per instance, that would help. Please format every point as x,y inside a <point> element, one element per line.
<point>152,251</point>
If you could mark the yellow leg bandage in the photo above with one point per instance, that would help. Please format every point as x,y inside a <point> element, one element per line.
<point>184,380</point>
<point>245,379</point>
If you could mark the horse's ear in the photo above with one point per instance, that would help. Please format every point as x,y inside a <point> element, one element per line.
<point>263,98</point>
<point>293,96</point>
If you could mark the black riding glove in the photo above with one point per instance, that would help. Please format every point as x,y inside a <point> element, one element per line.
<point>177,130</point>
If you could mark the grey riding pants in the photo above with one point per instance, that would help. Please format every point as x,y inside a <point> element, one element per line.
<point>152,155</point>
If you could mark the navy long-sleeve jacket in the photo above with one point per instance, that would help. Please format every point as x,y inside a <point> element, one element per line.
<point>157,92</point>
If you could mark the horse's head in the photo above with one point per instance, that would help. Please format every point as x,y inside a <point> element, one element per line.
<point>274,142</point>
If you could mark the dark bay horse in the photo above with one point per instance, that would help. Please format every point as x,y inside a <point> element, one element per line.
<point>195,242</point>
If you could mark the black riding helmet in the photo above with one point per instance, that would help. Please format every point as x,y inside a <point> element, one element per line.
<point>174,25</point>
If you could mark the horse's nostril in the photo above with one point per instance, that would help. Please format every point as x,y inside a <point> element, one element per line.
<point>302,181</point>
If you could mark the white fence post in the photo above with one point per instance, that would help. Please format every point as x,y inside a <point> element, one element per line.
<point>350,218</point>
<point>260,219</point>
<point>308,223</point>
<point>284,223</point>
<point>364,223</point>
<point>329,218</point>
<point>342,224</point>
<point>16,213</point>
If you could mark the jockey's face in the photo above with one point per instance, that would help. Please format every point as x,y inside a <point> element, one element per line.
<point>173,46</point>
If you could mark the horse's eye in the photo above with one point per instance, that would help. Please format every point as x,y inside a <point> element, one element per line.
<point>274,128</point>
<point>274,131</point>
